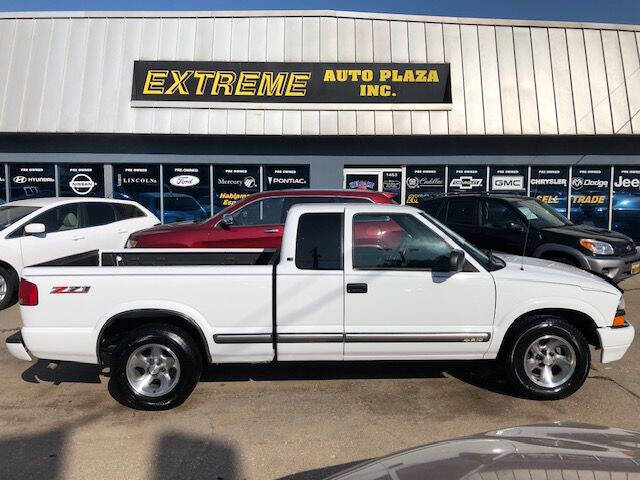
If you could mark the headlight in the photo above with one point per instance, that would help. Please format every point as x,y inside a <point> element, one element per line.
<point>596,247</point>
<point>621,303</point>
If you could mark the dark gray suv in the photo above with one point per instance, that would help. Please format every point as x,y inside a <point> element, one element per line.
<point>502,223</point>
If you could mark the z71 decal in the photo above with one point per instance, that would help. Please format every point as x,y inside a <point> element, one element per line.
<point>69,290</point>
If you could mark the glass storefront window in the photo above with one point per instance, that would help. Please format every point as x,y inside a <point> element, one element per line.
<point>423,182</point>
<point>232,183</point>
<point>81,180</point>
<point>626,201</point>
<point>286,176</point>
<point>551,186</point>
<point>140,183</point>
<point>590,196</point>
<point>471,178</point>
<point>508,180</point>
<point>186,193</point>
<point>29,180</point>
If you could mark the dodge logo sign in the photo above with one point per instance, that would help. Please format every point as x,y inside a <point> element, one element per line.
<point>577,182</point>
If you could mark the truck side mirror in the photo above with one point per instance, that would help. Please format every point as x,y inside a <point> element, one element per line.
<point>516,227</point>
<point>34,228</point>
<point>456,261</point>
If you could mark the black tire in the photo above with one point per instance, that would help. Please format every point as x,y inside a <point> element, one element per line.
<point>184,348</point>
<point>516,354</point>
<point>11,279</point>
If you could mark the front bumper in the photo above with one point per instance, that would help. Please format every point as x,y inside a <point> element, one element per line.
<point>16,347</point>
<point>616,268</point>
<point>615,342</point>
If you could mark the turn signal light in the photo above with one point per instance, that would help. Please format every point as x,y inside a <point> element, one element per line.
<point>28,293</point>
<point>618,320</point>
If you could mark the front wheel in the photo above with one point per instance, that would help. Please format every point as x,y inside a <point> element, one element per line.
<point>156,367</point>
<point>548,359</point>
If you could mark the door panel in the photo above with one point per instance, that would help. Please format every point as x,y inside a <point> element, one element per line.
<point>309,292</point>
<point>502,229</point>
<point>410,307</point>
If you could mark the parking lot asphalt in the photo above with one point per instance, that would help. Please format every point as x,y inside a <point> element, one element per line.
<point>300,421</point>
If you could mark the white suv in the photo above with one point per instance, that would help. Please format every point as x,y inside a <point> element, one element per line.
<point>41,229</point>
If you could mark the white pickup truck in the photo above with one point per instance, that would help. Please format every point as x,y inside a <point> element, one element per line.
<point>351,282</point>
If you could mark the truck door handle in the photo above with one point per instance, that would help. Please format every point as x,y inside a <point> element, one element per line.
<point>272,230</point>
<point>356,288</point>
<point>75,239</point>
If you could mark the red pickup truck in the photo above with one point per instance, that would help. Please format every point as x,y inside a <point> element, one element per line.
<point>255,222</point>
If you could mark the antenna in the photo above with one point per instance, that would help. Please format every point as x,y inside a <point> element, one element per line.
<point>526,235</point>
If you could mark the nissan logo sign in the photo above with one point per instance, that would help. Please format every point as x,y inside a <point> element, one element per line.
<point>82,184</point>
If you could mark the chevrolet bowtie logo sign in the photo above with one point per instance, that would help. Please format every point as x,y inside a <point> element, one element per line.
<point>289,85</point>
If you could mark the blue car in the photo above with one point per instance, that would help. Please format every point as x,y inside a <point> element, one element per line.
<point>178,207</point>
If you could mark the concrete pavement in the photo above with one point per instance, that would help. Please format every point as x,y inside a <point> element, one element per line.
<point>299,422</point>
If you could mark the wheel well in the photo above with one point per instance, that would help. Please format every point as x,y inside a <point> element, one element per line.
<point>7,266</point>
<point>552,254</point>
<point>581,321</point>
<point>117,327</point>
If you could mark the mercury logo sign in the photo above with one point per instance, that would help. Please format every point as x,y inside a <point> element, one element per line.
<point>249,182</point>
<point>184,181</point>
<point>507,182</point>
<point>82,184</point>
<point>466,182</point>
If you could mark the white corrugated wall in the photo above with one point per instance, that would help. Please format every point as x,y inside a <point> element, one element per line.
<point>73,72</point>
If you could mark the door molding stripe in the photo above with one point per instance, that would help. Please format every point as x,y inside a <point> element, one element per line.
<point>352,337</point>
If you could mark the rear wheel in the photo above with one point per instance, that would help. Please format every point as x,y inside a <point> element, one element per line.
<point>8,287</point>
<point>156,367</point>
<point>548,359</point>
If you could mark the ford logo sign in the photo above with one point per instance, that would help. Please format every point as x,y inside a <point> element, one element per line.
<point>184,181</point>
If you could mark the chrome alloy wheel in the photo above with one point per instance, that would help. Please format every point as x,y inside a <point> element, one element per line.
<point>3,288</point>
<point>153,370</point>
<point>550,361</point>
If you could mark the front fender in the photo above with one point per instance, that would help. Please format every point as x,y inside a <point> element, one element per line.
<point>504,319</point>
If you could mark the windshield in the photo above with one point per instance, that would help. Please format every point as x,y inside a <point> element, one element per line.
<point>10,214</point>
<point>492,263</point>
<point>539,214</point>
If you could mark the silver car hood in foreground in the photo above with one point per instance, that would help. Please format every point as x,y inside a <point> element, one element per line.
<point>557,450</point>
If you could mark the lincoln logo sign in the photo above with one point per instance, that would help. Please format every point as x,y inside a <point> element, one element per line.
<point>280,85</point>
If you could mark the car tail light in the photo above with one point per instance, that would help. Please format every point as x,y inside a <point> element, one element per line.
<point>28,293</point>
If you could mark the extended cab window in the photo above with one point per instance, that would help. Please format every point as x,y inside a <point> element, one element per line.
<point>396,242</point>
<point>462,211</point>
<point>319,241</point>
<point>262,212</point>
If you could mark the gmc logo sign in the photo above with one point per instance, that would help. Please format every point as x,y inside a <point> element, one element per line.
<point>507,182</point>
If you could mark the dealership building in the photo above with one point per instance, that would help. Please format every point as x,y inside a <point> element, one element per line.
<point>191,111</point>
